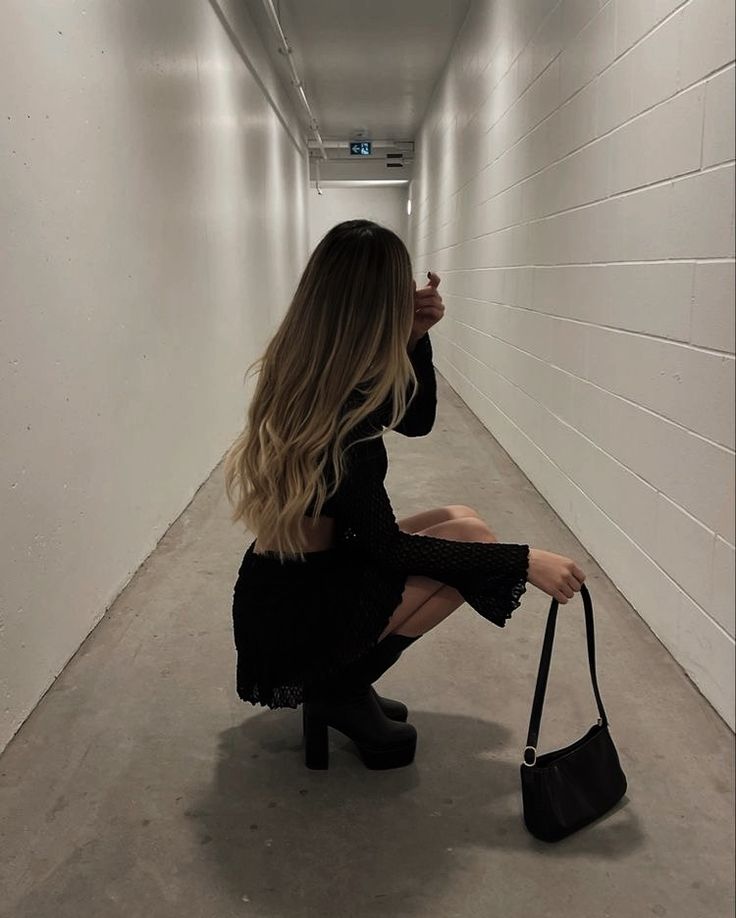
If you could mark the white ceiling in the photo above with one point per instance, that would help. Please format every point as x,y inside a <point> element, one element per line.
<point>367,67</point>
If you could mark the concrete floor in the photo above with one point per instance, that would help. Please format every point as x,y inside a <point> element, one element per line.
<point>142,786</point>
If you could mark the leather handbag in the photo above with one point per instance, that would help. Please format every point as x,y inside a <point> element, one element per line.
<point>566,789</point>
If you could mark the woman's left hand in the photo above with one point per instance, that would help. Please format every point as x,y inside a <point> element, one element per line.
<point>428,306</point>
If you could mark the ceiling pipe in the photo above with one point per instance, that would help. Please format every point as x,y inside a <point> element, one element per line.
<point>286,49</point>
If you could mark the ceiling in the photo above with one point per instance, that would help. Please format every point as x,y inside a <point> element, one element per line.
<point>368,70</point>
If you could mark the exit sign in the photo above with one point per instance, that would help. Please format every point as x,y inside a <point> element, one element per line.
<point>360,148</point>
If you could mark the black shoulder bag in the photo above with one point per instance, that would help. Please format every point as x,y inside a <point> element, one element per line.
<point>566,789</point>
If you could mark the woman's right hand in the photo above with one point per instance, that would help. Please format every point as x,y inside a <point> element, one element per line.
<point>555,575</point>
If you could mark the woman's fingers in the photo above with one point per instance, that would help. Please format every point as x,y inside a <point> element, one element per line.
<point>571,586</point>
<point>431,312</point>
<point>428,294</point>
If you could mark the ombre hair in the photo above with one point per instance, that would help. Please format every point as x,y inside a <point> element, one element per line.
<point>346,330</point>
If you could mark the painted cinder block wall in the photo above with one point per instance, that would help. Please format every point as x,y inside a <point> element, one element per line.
<point>154,224</point>
<point>574,187</point>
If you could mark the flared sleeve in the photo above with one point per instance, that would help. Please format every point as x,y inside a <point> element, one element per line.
<point>490,576</point>
<point>419,417</point>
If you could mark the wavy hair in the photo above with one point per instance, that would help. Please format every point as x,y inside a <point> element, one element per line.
<point>346,331</point>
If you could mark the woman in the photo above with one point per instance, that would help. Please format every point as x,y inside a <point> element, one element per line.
<point>333,590</point>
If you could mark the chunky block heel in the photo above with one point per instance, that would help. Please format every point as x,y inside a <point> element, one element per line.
<point>316,741</point>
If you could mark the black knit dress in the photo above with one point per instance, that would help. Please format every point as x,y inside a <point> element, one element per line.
<point>298,620</point>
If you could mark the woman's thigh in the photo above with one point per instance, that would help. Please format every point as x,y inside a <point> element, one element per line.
<point>429,518</point>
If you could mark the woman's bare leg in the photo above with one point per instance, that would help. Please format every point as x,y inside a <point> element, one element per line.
<point>419,522</point>
<point>427,602</point>
<point>435,610</point>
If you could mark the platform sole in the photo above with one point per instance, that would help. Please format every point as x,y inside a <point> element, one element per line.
<point>317,750</point>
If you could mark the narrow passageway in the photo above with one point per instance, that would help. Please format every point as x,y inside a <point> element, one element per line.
<point>141,785</point>
<point>561,175</point>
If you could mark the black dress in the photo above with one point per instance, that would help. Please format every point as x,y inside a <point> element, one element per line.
<point>301,619</point>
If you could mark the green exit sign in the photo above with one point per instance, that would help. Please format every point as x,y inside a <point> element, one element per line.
<point>360,148</point>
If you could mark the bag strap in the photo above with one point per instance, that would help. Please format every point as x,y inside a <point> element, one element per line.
<point>549,634</point>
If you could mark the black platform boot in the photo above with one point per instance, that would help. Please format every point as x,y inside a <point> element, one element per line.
<point>377,661</point>
<point>347,702</point>
<point>368,668</point>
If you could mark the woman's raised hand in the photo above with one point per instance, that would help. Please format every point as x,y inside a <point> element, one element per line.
<point>428,306</point>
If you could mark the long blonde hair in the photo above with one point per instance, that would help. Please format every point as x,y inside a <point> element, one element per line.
<point>347,326</point>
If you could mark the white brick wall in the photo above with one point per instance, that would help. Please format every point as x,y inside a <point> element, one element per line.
<point>575,190</point>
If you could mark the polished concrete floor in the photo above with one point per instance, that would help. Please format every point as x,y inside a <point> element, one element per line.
<point>142,786</point>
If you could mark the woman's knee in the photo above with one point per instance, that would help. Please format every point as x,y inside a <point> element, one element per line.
<point>465,529</point>
<point>475,529</point>
<point>459,511</point>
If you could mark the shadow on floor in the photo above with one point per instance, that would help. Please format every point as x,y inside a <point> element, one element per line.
<point>352,841</point>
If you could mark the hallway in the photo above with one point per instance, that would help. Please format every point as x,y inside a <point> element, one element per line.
<point>141,786</point>
<point>562,173</point>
